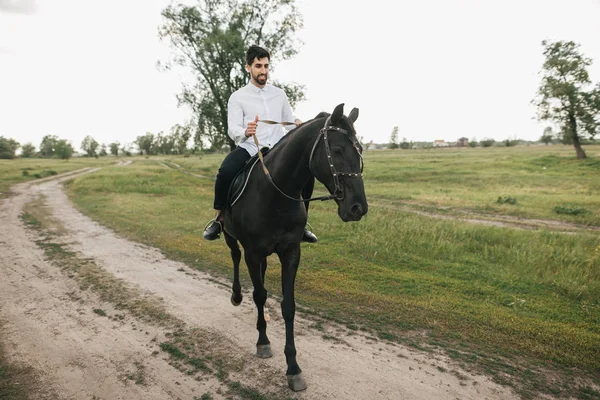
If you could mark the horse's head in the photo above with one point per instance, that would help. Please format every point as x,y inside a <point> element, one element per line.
<point>336,161</point>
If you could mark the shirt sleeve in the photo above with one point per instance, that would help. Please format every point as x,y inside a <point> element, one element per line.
<point>235,120</point>
<point>287,113</point>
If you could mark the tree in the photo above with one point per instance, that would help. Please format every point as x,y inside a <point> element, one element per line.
<point>566,96</point>
<point>164,144</point>
<point>126,150</point>
<point>8,148</point>
<point>145,143</point>
<point>103,152</point>
<point>63,149</point>
<point>89,145</point>
<point>487,142</point>
<point>473,142</point>
<point>27,150</point>
<point>394,138</point>
<point>181,135</point>
<point>405,144</point>
<point>114,148</point>
<point>48,145</point>
<point>211,39</point>
<point>547,136</point>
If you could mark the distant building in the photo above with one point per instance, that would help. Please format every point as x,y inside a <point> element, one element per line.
<point>462,142</point>
<point>440,143</point>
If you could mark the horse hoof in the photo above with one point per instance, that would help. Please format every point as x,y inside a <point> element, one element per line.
<point>236,303</point>
<point>296,382</point>
<point>263,351</point>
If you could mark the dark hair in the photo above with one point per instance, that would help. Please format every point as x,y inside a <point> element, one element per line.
<point>256,52</point>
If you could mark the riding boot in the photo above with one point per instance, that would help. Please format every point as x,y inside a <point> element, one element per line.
<point>214,230</point>
<point>309,237</point>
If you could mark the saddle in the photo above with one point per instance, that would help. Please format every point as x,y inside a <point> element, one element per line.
<point>236,189</point>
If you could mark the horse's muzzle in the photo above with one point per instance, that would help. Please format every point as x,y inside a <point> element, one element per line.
<point>354,213</point>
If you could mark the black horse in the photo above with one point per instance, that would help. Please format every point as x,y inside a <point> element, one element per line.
<point>270,216</point>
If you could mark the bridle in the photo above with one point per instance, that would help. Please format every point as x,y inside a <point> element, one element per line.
<point>338,193</point>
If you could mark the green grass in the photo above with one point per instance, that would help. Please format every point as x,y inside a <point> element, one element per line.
<point>538,178</point>
<point>27,169</point>
<point>509,302</point>
<point>14,380</point>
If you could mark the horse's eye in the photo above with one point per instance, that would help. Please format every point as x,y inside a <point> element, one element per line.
<point>337,150</point>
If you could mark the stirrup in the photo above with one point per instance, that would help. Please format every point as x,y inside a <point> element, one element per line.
<point>214,220</point>
<point>308,236</point>
<point>213,230</point>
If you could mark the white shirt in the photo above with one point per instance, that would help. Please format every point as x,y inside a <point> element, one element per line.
<point>269,103</point>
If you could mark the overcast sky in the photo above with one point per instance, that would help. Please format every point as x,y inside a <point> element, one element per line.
<point>437,69</point>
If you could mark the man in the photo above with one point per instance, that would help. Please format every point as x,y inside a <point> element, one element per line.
<point>255,101</point>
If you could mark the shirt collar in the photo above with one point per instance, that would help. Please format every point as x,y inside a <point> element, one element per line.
<point>256,89</point>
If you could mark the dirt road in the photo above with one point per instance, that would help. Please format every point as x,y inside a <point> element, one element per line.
<point>52,323</point>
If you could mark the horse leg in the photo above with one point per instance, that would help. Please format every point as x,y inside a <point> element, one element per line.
<point>289,266</point>
<point>255,268</point>
<point>263,268</point>
<point>236,256</point>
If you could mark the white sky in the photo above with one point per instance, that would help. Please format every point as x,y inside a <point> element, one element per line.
<point>438,69</point>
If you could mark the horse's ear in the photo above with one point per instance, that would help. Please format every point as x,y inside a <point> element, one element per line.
<point>337,115</point>
<point>353,115</point>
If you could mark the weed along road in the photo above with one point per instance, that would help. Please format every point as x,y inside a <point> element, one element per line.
<point>96,316</point>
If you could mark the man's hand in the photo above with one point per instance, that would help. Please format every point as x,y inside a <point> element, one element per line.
<point>251,129</point>
<point>298,122</point>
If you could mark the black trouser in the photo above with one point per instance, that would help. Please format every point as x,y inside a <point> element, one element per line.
<point>234,162</point>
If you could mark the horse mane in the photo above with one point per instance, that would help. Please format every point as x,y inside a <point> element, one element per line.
<point>285,138</point>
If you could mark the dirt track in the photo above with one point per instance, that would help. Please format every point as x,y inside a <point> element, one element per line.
<point>49,324</point>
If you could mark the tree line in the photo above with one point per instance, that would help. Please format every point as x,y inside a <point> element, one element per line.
<point>52,146</point>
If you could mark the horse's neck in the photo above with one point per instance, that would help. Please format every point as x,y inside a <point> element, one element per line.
<point>289,163</point>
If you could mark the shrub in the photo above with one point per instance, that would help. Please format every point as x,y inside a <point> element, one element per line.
<point>570,209</point>
<point>506,200</point>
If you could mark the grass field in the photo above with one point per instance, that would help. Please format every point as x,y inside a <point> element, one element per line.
<point>26,169</point>
<point>520,305</point>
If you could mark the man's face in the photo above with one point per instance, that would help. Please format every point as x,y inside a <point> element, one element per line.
<point>259,70</point>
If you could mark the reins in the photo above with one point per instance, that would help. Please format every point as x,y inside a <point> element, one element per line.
<point>338,192</point>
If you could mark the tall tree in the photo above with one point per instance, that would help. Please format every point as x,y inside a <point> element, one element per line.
<point>394,138</point>
<point>114,148</point>
<point>89,145</point>
<point>63,149</point>
<point>211,39</point>
<point>566,95</point>
<point>8,147</point>
<point>48,145</point>
<point>181,134</point>
<point>27,150</point>
<point>547,135</point>
<point>145,143</point>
